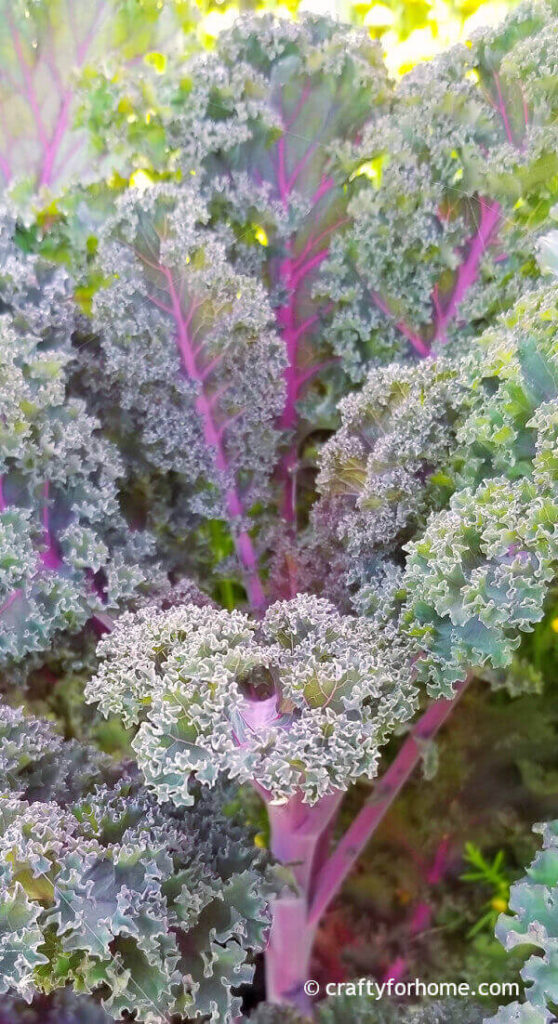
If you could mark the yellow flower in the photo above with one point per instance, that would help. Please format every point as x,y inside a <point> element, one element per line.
<point>499,904</point>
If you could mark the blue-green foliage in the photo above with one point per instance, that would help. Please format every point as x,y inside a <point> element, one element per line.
<point>442,487</point>
<point>534,922</point>
<point>108,890</point>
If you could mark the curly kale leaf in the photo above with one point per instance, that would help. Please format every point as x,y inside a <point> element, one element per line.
<point>191,355</point>
<point>534,922</point>
<point>479,574</point>
<point>301,701</point>
<point>113,893</point>
<point>63,539</point>
<point>384,470</point>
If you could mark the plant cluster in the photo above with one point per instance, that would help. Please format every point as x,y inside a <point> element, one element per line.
<point>279,367</point>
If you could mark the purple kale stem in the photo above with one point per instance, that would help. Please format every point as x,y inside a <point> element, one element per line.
<point>50,558</point>
<point>468,271</point>
<point>292,272</point>
<point>300,839</point>
<point>287,323</point>
<point>10,600</point>
<point>296,827</point>
<point>416,341</point>
<point>297,833</point>
<point>242,540</point>
<point>287,957</point>
<point>336,869</point>
<point>501,107</point>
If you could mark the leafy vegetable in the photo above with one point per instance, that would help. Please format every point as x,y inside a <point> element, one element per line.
<point>109,890</point>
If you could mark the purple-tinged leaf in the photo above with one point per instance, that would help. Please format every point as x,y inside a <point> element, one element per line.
<point>286,99</point>
<point>65,549</point>
<point>190,350</point>
<point>455,183</point>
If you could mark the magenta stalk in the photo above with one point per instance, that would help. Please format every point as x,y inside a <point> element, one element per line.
<point>300,838</point>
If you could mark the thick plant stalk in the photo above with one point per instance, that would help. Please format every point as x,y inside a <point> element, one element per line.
<point>287,957</point>
<point>296,834</point>
<point>300,837</point>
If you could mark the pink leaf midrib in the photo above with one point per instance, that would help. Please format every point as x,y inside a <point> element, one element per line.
<point>467,275</point>
<point>63,120</point>
<point>49,557</point>
<point>213,437</point>
<point>29,87</point>
<point>293,271</point>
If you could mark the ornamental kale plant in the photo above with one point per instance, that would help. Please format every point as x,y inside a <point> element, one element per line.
<point>299,702</point>
<point>298,381</point>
